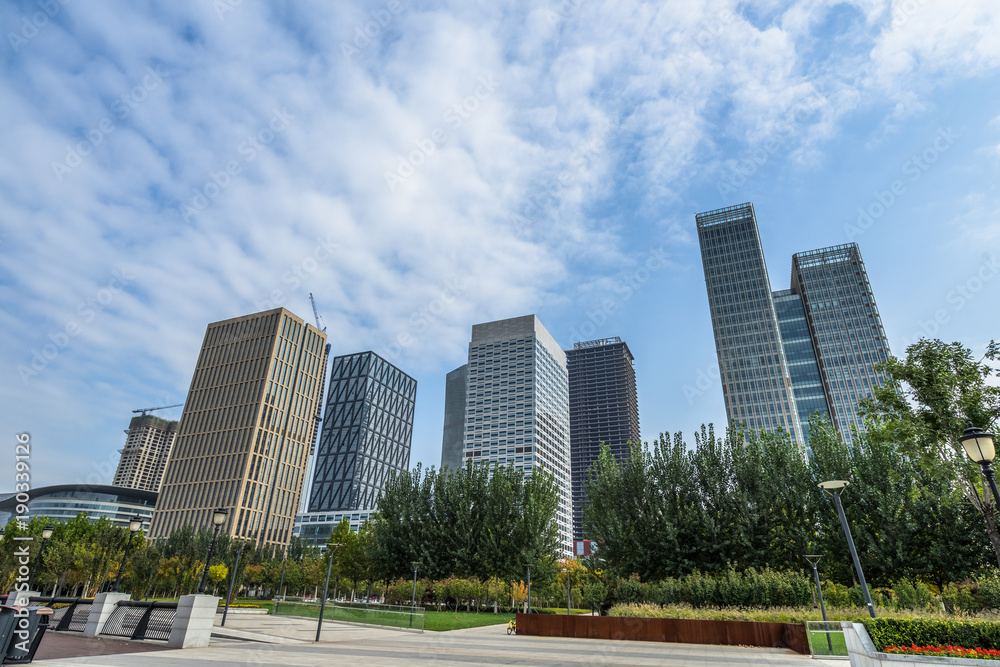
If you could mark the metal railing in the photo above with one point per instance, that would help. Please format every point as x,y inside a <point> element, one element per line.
<point>68,614</point>
<point>135,619</point>
<point>362,613</point>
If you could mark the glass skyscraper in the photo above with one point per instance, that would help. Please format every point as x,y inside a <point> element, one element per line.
<point>367,432</point>
<point>517,405</point>
<point>603,410</point>
<point>784,355</point>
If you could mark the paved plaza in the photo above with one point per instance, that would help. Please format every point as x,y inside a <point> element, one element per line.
<point>269,640</point>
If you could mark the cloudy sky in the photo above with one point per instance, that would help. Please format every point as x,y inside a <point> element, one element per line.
<point>421,167</point>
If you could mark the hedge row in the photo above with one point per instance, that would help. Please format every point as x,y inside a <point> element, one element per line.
<point>767,588</point>
<point>925,632</point>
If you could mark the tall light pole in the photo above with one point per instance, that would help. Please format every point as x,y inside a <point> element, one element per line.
<point>46,534</point>
<point>979,446</point>
<point>326,587</point>
<point>528,565</point>
<point>232,580</point>
<point>413,596</point>
<point>281,584</point>
<point>835,488</point>
<point>814,561</point>
<point>134,524</point>
<point>218,518</point>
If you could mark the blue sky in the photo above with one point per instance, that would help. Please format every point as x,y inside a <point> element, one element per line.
<point>421,167</point>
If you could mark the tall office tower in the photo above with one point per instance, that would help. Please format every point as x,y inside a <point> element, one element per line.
<point>756,383</point>
<point>367,431</point>
<point>845,325</point>
<point>517,405</point>
<point>246,430</point>
<point>456,385</point>
<point>830,333</point>
<point>144,457</point>
<point>603,410</point>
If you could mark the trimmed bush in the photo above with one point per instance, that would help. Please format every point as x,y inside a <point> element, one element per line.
<point>926,632</point>
<point>767,588</point>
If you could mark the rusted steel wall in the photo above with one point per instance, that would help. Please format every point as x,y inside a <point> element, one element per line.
<point>682,631</point>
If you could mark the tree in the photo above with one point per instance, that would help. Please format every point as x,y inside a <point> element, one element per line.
<point>928,399</point>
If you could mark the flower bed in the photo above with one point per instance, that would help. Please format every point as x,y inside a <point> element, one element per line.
<point>946,651</point>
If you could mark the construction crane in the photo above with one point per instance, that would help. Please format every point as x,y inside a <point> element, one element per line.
<point>162,407</point>
<point>321,327</point>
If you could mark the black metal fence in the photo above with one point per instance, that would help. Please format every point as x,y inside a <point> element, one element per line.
<point>68,614</point>
<point>134,619</point>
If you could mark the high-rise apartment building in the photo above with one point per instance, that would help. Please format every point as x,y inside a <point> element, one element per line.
<point>455,388</point>
<point>517,405</point>
<point>144,457</point>
<point>603,410</point>
<point>784,355</point>
<point>247,428</point>
<point>367,433</point>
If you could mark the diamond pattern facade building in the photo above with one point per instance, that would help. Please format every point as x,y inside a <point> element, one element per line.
<point>367,433</point>
<point>247,429</point>
<point>603,410</point>
<point>517,406</point>
<point>787,354</point>
<point>147,449</point>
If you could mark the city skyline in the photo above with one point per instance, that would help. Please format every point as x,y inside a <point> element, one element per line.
<point>166,167</point>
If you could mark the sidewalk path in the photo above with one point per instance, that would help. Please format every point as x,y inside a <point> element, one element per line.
<point>354,645</point>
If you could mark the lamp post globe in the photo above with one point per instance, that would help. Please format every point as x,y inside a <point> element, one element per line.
<point>46,534</point>
<point>134,524</point>
<point>980,447</point>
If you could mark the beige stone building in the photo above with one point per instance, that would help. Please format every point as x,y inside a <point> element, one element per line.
<point>144,457</point>
<point>247,428</point>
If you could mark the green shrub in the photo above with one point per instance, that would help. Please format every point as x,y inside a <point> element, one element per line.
<point>929,632</point>
<point>989,592</point>
<point>836,595</point>
<point>912,596</point>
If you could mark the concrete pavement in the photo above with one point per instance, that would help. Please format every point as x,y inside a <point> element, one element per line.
<point>288,642</point>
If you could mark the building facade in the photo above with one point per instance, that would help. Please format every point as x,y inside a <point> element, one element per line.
<point>603,410</point>
<point>756,383</point>
<point>147,449</point>
<point>829,334</point>
<point>456,386</point>
<point>315,528</point>
<point>517,406</point>
<point>367,433</point>
<point>63,502</point>
<point>247,428</point>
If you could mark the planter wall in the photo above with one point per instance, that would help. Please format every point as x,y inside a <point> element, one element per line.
<point>682,631</point>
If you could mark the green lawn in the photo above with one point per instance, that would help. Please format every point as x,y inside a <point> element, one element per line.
<point>819,646</point>
<point>439,621</point>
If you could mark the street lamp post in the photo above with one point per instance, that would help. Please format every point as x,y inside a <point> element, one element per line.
<point>836,487</point>
<point>281,584</point>
<point>413,596</point>
<point>218,518</point>
<point>46,534</point>
<point>134,524</point>
<point>326,588</point>
<point>979,446</point>
<point>232,580</point>
<point>528,565</point>
<point>814,561</point>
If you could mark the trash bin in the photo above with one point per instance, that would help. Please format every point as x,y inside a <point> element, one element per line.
<point>21,634</point>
